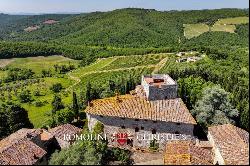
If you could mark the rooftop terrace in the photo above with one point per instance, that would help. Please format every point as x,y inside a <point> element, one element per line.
<point>159,80</point>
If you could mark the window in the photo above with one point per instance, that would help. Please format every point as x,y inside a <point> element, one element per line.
<point>153,131</point>
<point>136,129</point>
<point>123,127</point>
<point>142,128</point>
<point>136,119</point>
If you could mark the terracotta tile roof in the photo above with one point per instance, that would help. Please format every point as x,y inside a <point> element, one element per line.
<point>20,134</point>
<point>61,130</point>
<point>129,106</point>
<point>232,142</point>
<point>21,152</point>
<point>186,153</point>
<point>204,144</point>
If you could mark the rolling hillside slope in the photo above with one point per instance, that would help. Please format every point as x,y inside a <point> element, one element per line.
<point>122,28</point>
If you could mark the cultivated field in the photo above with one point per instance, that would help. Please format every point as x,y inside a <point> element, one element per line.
<point>223,28</point>
<point>194,30</point>
<point>224,25</point>
<point>233,21</point>
<point>37,64</point>
<point>97,73</point>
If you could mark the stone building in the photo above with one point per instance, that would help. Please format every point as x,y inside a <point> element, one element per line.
<point>230,144</point>
<point>150,112</point>
<point>34,146</point>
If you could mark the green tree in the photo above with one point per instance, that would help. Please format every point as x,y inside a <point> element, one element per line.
<point>25,96</point>
<point>214,107</point>
<point>86,152</point>
<point>75,106</point>
<point>12,118</point>
<point>4,126</point>
<point>64,116</point>
<point>57,87</point>
<point>98,128</point>
<point>57,103</point>
<point>88,93</point>
<point>18,118</point>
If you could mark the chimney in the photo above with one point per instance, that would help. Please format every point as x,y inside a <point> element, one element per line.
<point>90,104</point>
<point>117,97</point>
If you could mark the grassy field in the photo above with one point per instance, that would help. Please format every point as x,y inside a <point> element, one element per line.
<point>233,21</point>
<point>37,64</point>
<point>193,30</point>
<point>223,28</point>
<point>37,115</point>
<point>225,25</point>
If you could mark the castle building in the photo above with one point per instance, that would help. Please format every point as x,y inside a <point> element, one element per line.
<point>151,112</point>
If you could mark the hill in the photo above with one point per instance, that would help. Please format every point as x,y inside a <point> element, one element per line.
<point>119,28</point>
<point>10,25</point>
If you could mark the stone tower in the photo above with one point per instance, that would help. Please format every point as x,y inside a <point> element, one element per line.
<point>159,87</point>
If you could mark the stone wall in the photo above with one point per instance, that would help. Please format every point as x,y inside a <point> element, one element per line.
<point>162,93</point>
<point>159,93</point>
<point>144,135</point>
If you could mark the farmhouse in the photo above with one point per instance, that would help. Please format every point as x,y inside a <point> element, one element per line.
<point>151,110</point>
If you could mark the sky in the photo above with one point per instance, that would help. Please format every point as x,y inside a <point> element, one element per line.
<point>84,6</point>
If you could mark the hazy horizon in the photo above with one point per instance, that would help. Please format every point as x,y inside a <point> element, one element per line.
<point>86,6</point>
